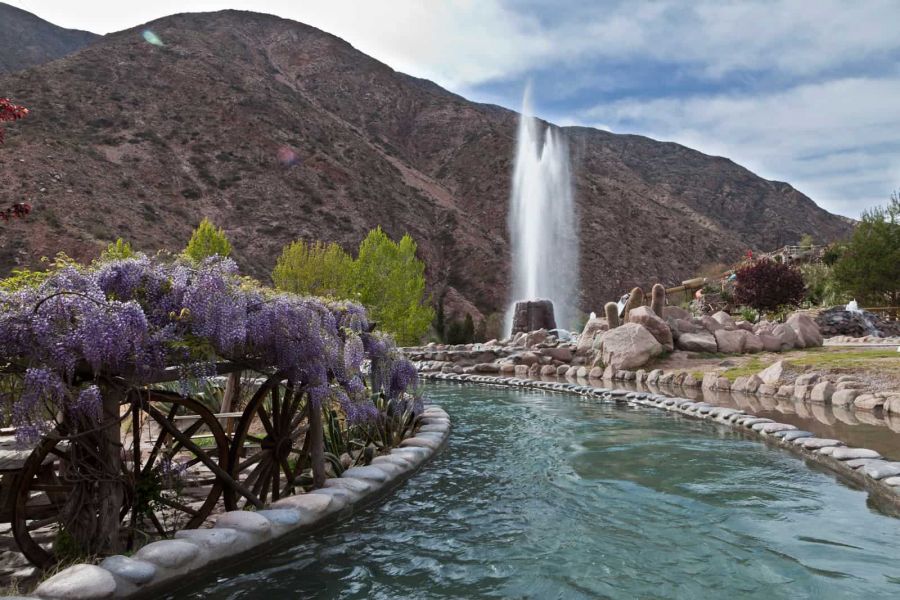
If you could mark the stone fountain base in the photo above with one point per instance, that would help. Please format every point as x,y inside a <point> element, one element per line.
<point>531,315</point>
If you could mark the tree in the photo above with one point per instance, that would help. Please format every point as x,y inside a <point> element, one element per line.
<point>869,267</point>
<point>389,281</point>
<point>117,250</point>
<point>314,269</point>
<point>206,241</point>
<point>767,285</point>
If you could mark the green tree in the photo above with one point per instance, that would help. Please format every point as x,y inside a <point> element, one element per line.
<point>207,240</point>
<point>314,269</point>
<point>869,268</point>
<point>389,281</point>
<point>117,250</point>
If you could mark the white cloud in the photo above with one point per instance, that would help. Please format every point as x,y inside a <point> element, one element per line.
<point>836,141</point>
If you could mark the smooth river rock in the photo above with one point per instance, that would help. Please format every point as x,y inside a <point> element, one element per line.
<point>130,569</point>
<point>79,582</point>
<point>851,453</point>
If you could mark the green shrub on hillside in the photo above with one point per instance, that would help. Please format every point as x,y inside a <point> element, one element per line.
<point>207,240</point>
<point>386,278</point>
<point>314,269</point>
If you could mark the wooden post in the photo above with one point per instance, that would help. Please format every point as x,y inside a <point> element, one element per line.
<point>230,399</point>
<point>110,491</point>
<point>317,445</point>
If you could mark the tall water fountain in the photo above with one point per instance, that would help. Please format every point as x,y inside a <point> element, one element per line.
<point>542,220</point>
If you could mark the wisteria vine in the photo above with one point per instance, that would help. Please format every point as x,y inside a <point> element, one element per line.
<point>131,319</point>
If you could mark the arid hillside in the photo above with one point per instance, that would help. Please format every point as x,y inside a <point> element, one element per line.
<point>279,131</point>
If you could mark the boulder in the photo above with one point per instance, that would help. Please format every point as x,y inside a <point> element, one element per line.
<point>676,312</point>
<point>808,334</point>
<point>709,380</point>
<point>628,346</point>
<point>752,343</point>
<point>710,324</point>
<point>821,392</point>
<point>586,339</point>
<point>596,373</point>
<point>724,319</point>
<point>538,336</point>
<point>79,581</point>
<point>697,342</point>
<point>770,342</point>
<point>560,353</point>
<point>786,335</point>
<point>681,326</point>
<point>773,374</point>
<point>730,341</point>
<point>844,397</point>
<point>644,315</point>
<point>868,402</point>
<point>892,404</point>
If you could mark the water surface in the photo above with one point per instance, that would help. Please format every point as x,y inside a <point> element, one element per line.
<point>543,495</point>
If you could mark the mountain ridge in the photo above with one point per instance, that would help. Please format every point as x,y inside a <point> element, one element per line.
<point>26,40</point>
<point>157,137</point>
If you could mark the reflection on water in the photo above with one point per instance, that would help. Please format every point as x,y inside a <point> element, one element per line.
<point>543,495</point>
<point>866,429</point>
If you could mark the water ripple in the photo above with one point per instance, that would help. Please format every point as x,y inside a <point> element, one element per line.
<point>538,496</point>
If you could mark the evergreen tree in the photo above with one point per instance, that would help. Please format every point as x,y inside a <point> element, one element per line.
<point>314,269</point>
<point>207,240</point>
<point>389,281</point>
<point>869,267</point>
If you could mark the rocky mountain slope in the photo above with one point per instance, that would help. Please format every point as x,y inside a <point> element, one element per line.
<point>27,40</point>
<point>279,131</point>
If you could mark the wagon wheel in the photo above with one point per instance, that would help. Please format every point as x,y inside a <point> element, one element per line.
<point>268,449</point>
<point>46,490</point>
<point>179,455</point>
<point>41,496</point>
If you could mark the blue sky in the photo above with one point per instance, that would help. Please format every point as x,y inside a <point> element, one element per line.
<point>803,91</point>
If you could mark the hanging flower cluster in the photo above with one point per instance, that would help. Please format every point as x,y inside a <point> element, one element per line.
<point>133,318</point>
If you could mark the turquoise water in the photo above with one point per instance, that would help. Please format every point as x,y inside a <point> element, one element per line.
<point>547,496</point>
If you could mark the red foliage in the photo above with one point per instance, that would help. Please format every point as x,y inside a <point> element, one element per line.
<point>768,285</point>
<point>16,211</point>
<point>10,112</point>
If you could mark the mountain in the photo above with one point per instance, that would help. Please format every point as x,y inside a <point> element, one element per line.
<point>137,140</point>
<point>27,40</point>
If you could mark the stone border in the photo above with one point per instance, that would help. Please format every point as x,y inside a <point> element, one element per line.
<point>862,467</point>
<point>238,536</point>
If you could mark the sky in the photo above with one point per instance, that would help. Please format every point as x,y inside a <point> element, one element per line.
<point>803,91</point>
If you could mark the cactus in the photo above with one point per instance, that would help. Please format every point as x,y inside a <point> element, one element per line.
<point>635,299</point>
<point>658,300</point>
<point>612,314</point>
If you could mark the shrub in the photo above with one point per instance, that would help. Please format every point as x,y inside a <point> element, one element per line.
<point>206,241</point>
<point>869,268</point>
<point>767,285</point>
<point>386,277</point>
<point>822,288</point>
<point>117,250</point>
<point>314,269</point>
<point>389,281</point>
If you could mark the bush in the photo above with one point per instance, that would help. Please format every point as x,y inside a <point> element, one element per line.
<point>117,250</point>
<point>767,285</point>
<point>314,269</point>
<point>389,281</point>
<point>869,268</point>
<point>386,278</point>
<point>207,240</point>
<point>822,288</point>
